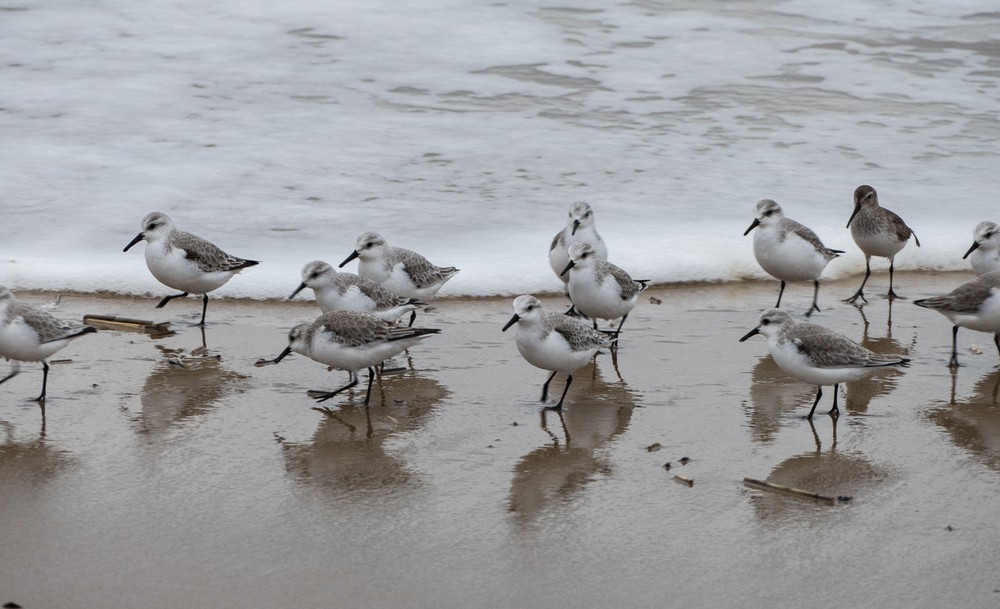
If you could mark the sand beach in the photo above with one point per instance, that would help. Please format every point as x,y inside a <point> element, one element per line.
<point>172,471</point>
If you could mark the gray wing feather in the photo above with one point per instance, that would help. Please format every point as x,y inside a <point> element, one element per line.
<point>810,237</point>
<point>829,349</point>
<point>629,287</point>
<point>353,329</point>
<point>207,255</point>
<point>556,241</point>
<point>967,297</point>
<point>47,327</point>
<point>578,334</point>
<point>902,231</point>
<point>383,298</point>
<point>420,270</point>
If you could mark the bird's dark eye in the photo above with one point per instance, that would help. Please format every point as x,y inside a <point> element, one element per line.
<point>989,235</point>
<point>586,215</point>
<point>314,275</point>
<point>769,212</point>
<point>764,322</point>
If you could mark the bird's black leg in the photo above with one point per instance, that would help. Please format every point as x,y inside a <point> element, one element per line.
<point>953,362</point>
<point>569,381</point>
<point>545,387</point>
<point>780,292</point>
<point>45,380</point>
<point>819,394</point>
<point>371,377</point>
<point>618,330</point>
<point>15,369</point>
<point>164,302</point>
<point>892,295</point>
<point>204,308</point>
<point>322,396</point>
<point>815,306</point>
<point>861,291</point>
<point>835,412</point>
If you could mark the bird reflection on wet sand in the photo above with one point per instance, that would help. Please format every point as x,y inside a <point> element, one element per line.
<point>774,394</point>
<point>29,462</point>
<point>558,471</point>
<point>884,380</point>
<point>973,423</point>
<point>183,385</point>
<point>347,452</point>
<point>827,472</point>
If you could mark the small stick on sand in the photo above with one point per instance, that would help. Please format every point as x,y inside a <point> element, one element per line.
<point>795,492</point>
<point>684,480</point>
<point>113,322</point>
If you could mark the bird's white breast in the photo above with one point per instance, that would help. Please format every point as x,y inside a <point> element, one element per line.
<point>791,258</point>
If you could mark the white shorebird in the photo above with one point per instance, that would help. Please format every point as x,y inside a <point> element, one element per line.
<point>787,250</point>
<point>183,261</point>
<point>817,355</point>
<point>403,272</point>
<point>598,288</point>
<point>878,232</point>
<point>984,255</point>
<point>347,292</point>
<point>30,334</point>
<point>552,341</point>
<point>350,340</point>
<point>579,228</point>
<point>974,305</point>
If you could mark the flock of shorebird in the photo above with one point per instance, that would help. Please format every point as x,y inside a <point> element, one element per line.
<point>819,356</point>
<point>358,328</point>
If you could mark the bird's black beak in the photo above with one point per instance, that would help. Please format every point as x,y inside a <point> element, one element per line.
<point>753,225</point>
<point>975,246</point>
<point>753,332</point>
<point>282,355</point>
<point>568,267</point>
<point>353,255</point>
<point>857,208</point>
<point>301,287</point>
<point>576,225</point>
<point>513,320</point>
<point>137,239</point>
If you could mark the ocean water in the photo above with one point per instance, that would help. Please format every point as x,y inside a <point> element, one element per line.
<point>464,130</point>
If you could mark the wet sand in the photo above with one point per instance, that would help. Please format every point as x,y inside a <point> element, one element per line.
<point>164,478</point>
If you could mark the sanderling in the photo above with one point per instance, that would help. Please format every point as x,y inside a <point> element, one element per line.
<point>403,272</point>
<point>787,250</point>
<point>184,261</point>
<point>985,250</point>
<point>30,334</point>
<point>817,355</point>
<point>579,228</point>
<point>974,305</point>
<point>347,292</point>
<point>350,340</point>
<point>878,232</point>
<point>598,288</point>
<point>552,341</point>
